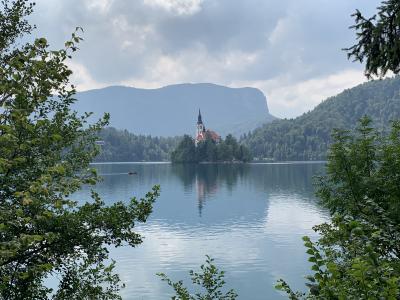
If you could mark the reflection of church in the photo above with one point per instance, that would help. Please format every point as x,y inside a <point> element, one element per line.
<point>202,133</point>
<point>204,189</point>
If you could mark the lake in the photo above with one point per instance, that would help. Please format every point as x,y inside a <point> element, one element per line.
<point>249,218</point>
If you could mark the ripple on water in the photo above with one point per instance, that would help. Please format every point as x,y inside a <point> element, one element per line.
<point>249,218</point>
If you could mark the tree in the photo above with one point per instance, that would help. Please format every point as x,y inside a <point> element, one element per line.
<point>243,154</point>
<point>231,141</point>
<point>185,151</point>
<point>378,40</point>
<point>224,152</point>
<point>45,150</point>
<point>121,145</point>
<point>201,151</point>
<point>358,254</point>
<point>208,150</point>
<point>210,279</point>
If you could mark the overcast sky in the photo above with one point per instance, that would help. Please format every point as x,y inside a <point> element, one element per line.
<point>290,49</point>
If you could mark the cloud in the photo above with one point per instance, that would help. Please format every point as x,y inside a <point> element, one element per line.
<point>95,5</point>
<point>180,7</point>
<point>290,49</point>
<point>288,99</point>
<point>82,79</point>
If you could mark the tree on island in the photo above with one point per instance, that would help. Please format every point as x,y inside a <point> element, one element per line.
<point>185,152</point>
<point>209,150</point>
<point>45,151</point>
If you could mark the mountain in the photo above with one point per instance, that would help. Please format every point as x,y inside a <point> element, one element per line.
<point>172,110</point>
<point>308,137</point>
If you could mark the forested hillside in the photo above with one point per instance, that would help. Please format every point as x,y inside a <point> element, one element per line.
<point>307,137</point>
<point>121,145</point>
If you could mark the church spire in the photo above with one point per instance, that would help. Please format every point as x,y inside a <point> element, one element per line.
<point>199,120</point>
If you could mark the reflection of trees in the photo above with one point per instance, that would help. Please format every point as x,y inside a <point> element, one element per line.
<point>287,178</point>
<point>273,178</point>
<point>186,173</point>
<point>208,177</point>
<point>238,191</point>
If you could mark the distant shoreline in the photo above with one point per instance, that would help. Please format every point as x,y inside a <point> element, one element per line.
<point>131,162</point>
<point>293,162</point>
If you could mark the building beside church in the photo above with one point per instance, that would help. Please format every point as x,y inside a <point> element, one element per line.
<point>202,133</point>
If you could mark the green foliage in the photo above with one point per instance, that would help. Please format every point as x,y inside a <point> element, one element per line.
<point>45,151</point>
<point>308,137</point>
<point>185,152</point>
<point>378,40</point>
<point>12,22</point>
<point>227,150</point>
<point>121,145</point>
<point>358,253</point>
<point>211,280</point>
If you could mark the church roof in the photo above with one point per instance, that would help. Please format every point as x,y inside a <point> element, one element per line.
<point>215,136</point>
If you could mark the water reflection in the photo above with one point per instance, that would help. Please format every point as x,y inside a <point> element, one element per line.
<point>250,218</point>
<point>207,178</point>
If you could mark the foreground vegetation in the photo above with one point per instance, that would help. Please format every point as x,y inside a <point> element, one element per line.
<point>45,150</point>
<point>208,284</point>
<point>228,150</point>
<point>358,254</point>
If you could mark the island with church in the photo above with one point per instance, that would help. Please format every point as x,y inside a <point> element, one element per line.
<point>207,146</point>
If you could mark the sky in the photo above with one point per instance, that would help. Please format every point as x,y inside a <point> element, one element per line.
<point>290,49</point>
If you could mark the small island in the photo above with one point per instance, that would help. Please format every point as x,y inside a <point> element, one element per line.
<point>209,147</point>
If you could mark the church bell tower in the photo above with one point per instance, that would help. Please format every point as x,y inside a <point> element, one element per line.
<point>201,130</point>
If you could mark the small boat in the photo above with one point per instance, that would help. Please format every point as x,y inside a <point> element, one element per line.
<point>132,173</point>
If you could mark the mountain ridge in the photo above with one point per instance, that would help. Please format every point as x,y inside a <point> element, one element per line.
<point>172,110</point>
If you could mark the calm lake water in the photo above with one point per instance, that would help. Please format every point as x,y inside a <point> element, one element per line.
<point>249,218</point>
